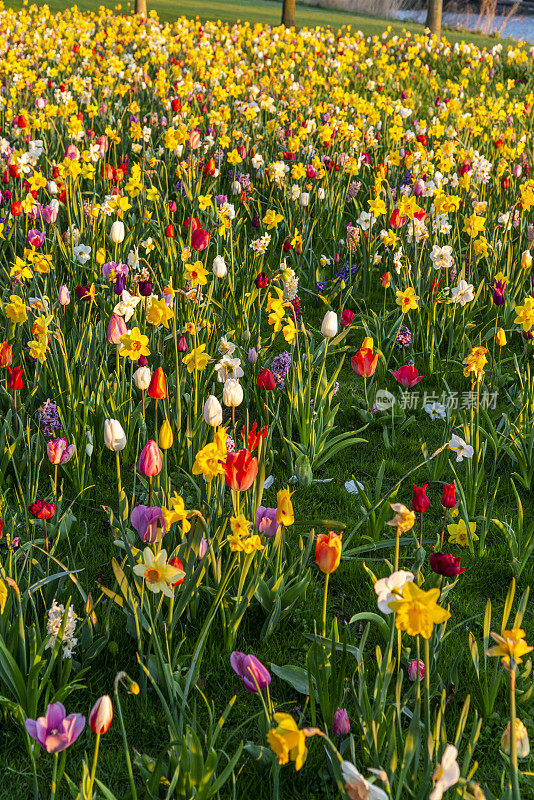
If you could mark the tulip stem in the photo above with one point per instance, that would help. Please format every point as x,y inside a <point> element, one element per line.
<point>427,693</point>
<point>420,529</point>
<point>55,481</point>
<point>133,790</point>
<point>143,400</point>
<point>45,535</point>
<point>93,770</point>
<point>118,472</point>
<point>54,777</point>
<point>150,490</point>
<point>156,422</point>
<point>443,530</point>
<point>325,598</point>
<point>513,737</point>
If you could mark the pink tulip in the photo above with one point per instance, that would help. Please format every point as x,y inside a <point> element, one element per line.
<point>116,329</point>
<point>200,239</point>
<point>150,463</point>
<point>407,376</point>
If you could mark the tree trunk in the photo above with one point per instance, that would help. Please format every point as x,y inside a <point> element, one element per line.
<point>140,7</point>
<point>288,13</point>
<point>433,17</point>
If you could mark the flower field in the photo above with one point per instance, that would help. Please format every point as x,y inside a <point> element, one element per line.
<point>267,412</point>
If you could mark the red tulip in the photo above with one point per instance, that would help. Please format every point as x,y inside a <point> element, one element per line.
<point>407,376</point>
<point>347,317</point>
<point>266,379</point>
<point>209,168</point>
<point>448,499</point>
<point>261,280</point>
<point>200,239</point>
<point>364,362</point>
<point>446,564</point>
<point>175,562</point>
<point>14,380</point>
<point>158,385</point>
<point>191,222</point>
<point>420,501</point>
<point>255,435</point>
<point>240,470</point>
<point>169,231</point>
<point>396,221</point>
<point>42,510</point>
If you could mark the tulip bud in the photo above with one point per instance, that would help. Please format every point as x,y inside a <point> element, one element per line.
<point>203,547</point>
<point>116,233</point>
<point>182,345</point>
<point>165,436</point>
<point>114,436</point>
<point>521,738</point>
<point>212,411</point>
<point>448,499</point>
<point>142,378</point>
<point>304,199</point>
<point>321,193</point>
<point>63,296</point>
<point>101,715</point>
<point>412,670</point>
<point>158,385</point>
<point>150,463</point>
<point>418,188</point>
<point>341,723</point>
<point>420,501</point>
<point>232,393</point>
<point>501,337</point>
<point>526,260</point>
<point>116,329</point>
<point>252,355</point>
<point>219,267</point>
<point>329,326</point>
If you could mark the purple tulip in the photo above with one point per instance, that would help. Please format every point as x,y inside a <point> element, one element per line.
<point>341,723</point>
<point>145,521</point>
<point>49,214</point>
<point>182,345</point>
<point>203,547</point>
<point>55,731</point>
<point>265,521</point>
<point>250,670</point>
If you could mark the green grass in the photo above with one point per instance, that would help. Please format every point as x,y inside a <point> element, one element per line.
<point>267,12</point>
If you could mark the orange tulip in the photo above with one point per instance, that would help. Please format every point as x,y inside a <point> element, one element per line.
<point>328,551</point>
<point>386,280</point>
<point>158,385</point>
<point>364,362</point>
<point>6,354</point>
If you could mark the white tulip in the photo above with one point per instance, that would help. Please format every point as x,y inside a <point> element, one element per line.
<point>232,393</point>
<point>320,193</point>
<point>212,411</point>
<point>142,378</point>
<point>329,326</point>
<point>219,267</point>
<point>114,436</point>
<point>116,233</point>
<point>304,199</point>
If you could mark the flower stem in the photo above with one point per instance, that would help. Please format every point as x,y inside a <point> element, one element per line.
<point>125,741</point>
<point>427,693</point>
<point>93,770</point>
<point>513,739</point>
<point>325,598</point>
<point>118,472</point>
<point>54,777</point>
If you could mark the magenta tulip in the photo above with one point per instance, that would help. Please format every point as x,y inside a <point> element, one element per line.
<point>150,463</point>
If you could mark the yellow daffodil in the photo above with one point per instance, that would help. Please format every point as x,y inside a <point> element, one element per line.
<point>417,611</point>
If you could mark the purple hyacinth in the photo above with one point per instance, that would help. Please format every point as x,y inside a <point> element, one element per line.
<point>404,338</point>
<point>280,367</point>
<point>49,418</point>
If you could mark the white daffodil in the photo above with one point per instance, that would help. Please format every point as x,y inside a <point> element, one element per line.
<point>390,588</point>
<point>126,306</point>
<point>357,787</point>
<point>461,448</point>
<point>446,774</point>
